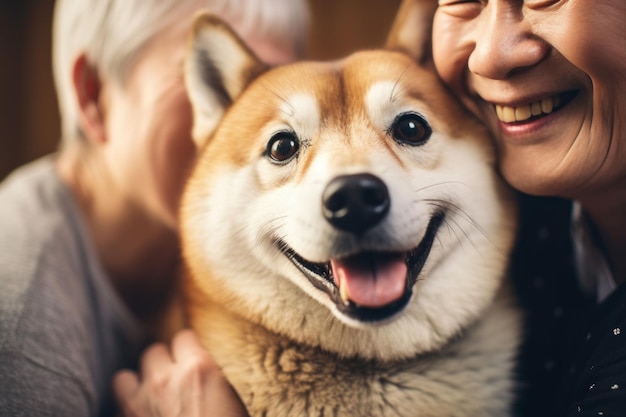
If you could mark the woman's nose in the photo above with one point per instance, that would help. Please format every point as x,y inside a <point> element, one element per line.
<point>504,44</point>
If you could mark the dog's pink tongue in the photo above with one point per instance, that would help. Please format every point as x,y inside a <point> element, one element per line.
<point>370,280</point>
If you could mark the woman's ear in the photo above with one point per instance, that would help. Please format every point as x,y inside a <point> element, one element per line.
<point>411,31</point>
<point>88,89</point>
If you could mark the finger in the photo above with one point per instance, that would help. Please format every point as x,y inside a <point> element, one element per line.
<point>125,385</point>
<point>207,389</point>
<point>214,396</point>
<point>156,360</point>
<point>186,345</point>
<point>223,399</point>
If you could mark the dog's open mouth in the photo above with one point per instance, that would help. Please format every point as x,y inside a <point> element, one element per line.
<point>369,286</point>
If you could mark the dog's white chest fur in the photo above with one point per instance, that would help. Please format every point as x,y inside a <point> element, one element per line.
<point>275,376</point>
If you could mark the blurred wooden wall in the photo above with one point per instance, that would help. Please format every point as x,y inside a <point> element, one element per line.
<point>29,125</point>
<point>343,26</point>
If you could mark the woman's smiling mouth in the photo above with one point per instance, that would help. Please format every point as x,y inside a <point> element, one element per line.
<point>536,109</point>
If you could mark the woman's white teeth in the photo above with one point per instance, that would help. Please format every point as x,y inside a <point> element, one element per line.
<point>523,112</point>
<point>536,108</point>
<point>509,114</point>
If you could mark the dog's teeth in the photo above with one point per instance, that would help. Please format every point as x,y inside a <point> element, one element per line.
<point>343,293</point>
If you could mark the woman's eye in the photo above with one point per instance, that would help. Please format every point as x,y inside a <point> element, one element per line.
<point>410,129</point>
<point>540,4</point>
<point>465,9</point>
<point>282,147</point>
<point>457,2</point>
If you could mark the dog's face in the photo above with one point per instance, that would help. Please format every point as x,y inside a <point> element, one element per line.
<point>351,205</point>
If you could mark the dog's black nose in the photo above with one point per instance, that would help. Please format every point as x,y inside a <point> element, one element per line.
<point>355,203</point>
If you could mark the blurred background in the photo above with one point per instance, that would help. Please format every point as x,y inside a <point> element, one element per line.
<point>29,124</point>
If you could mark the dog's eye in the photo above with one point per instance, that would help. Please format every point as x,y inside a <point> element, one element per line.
<point>411,129</point>
<point>282,147</point>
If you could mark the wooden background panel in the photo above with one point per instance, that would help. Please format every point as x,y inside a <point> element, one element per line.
<point>29,123</point>
<point>342,26</point>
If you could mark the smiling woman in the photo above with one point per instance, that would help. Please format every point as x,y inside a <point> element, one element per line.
<point>548,77</point>
<point>549,84</point>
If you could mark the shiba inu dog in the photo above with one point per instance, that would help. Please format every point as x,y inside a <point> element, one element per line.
<point>345,236</point>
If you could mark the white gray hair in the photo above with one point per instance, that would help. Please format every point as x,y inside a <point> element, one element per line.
<point>112,32</point>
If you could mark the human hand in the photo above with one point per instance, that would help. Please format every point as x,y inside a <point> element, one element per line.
<point>183,382</point>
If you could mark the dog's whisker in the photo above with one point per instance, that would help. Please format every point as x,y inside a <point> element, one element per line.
<point>266,232</point>
<point>450,222</point>
<point>273,92</point>
<point>453,225</point>
<point>270,236</point>
<point>272,106</point>
<point>451,232</point>
<point>440,184</point>
<point>473,222</point>
<point>463,214</point>
<point>459,210</point>
<point>393,95</point>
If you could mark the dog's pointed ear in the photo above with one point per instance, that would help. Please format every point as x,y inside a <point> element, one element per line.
<point>218,67</point>
<point>411,31</point>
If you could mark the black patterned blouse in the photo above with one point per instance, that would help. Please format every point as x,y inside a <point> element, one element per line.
<point>573,362</point>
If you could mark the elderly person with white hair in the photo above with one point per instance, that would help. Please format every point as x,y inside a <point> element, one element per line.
<point>88,236</point>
